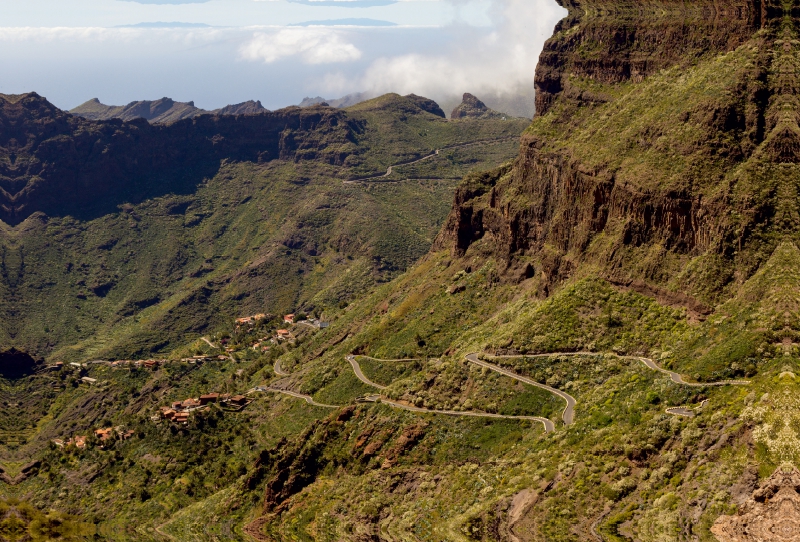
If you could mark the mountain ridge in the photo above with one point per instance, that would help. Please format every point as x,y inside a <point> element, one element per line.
<point>162,111</point>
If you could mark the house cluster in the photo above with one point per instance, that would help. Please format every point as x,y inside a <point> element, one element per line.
<point>103,435</point>
<point>250,320</point>
<point>178,412</point>
<point>311,322</point>
<point>262,345</point>
<point>111,433</point>
<point>153,363</point>
<point>79,441</point>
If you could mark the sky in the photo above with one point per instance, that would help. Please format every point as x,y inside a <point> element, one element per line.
<point>218,52</point>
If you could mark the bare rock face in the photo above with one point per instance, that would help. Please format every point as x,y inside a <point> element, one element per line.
<point>249,107</point>
<point>471,107</point>
<point>611,41</point>
<point>773,514</point>
<point>163,111</point>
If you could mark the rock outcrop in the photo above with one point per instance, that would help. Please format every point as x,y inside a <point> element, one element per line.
<point>163,111</point>
<point>773,513</point>
<point>249,107</point>
<point>472,108</point>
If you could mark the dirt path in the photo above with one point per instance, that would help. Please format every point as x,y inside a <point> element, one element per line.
<point>549,427</point>
<point>391,360</point>
<point>208,342</point>
<point>568,415</point>
<point>390,169</point>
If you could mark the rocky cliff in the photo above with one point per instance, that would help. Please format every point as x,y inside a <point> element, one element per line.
<point>654,152</point>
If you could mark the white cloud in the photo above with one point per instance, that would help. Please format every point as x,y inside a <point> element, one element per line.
<point>494,60</point>
<point>312,45</point>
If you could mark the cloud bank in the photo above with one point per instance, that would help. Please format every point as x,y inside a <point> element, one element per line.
<point>496,60</point>
<point>312,45</point>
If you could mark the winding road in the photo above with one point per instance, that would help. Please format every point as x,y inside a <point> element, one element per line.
<point>568,415</point>
<point>548,425</point>
<point>569,412</point>
<point>277,368</point>
<point>310,400</point>
<point>678,379</point>
<point>390,169</point>
<point>357,369</point>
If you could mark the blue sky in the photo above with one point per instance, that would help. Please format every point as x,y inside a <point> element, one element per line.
<point>217,52</point>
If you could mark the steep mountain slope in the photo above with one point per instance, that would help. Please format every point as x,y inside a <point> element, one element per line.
<point>649,224</point>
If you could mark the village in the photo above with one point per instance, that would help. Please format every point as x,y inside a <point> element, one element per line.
<point>179,412</point>
<point>262,345</point>
<point>103,436</point>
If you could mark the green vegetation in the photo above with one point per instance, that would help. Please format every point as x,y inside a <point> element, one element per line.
<point>638,228</point>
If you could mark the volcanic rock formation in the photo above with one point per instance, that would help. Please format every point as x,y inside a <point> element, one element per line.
<point>773,513</point>
<point>59,164</point>
<point>642,186</point>
<point>472,108</point>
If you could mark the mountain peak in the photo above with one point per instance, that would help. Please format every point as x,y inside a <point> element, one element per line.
<point>471,107</point>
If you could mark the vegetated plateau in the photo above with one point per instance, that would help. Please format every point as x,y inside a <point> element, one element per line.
<point>599,341</point>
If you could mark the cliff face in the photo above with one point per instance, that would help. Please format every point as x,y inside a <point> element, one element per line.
<point>619,41</point>
<point>62,165</point>
<point>663,151</point>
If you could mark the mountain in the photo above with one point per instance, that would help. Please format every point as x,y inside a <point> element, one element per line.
<point>161,111</point>
<point>639,255</point>
<point>595,339</point>
<point>472,108</point>
<point>249,107</point>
